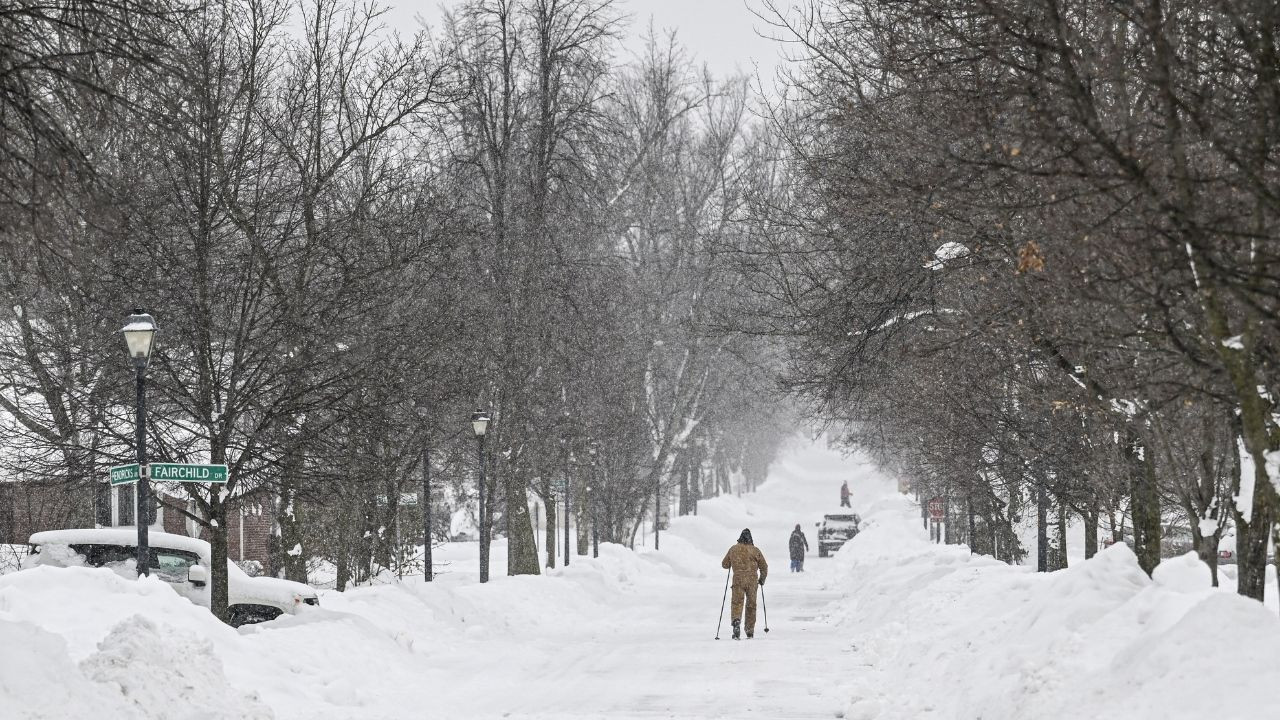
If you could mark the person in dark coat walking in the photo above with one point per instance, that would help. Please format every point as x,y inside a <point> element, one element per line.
<point>799,545</point>
<point>844,494</point>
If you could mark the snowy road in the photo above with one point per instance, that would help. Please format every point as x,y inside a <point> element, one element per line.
<point>939,633</point>
<point>654,656</point>
<point>651,652</point>
<point>628,635</point>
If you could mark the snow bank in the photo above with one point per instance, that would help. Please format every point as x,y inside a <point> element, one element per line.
<point>110,647</point>
<point>943,633</point>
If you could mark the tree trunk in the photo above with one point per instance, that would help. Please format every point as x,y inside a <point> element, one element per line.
<point>289,524</point>
<point>582,512</point>
<point>973,530</point>
<point>344,568</point>
<point>522,552</point>
<point>1252,533</point>
<point>218,596</point>
<point>1090,517</point>
<point>549,540</point>
<point>1145,504</point>
<point>1060,561</point>
<point>1042,531</point>
<point>1206,548</point>
<point>684,492</point>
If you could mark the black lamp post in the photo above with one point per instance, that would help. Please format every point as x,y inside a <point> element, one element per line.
<point>593,498</point>
<point>568,505</point>
<point>139,332</point>
<point>480,424</point>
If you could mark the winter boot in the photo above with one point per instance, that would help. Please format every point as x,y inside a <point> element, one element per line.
<point>750,634</point>
<point>737,629</point>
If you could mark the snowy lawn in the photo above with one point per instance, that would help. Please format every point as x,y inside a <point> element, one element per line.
<point>892,627</point>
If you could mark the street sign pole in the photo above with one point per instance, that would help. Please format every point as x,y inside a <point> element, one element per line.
<point>937,512</point>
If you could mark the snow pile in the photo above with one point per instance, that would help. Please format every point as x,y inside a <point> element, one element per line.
<point>944,633</point>
<point>95,650</point>
<point>164,672</point>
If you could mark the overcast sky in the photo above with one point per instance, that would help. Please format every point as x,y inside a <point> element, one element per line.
<point>721,33</point>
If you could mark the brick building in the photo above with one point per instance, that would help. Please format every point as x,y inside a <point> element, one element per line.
<point>248,529</point>
<point>28,507</point>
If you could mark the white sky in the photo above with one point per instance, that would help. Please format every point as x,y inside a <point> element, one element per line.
<point>721,33</point>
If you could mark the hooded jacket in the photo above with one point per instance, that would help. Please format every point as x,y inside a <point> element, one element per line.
<point>746,560</point>
<point>798,544</point>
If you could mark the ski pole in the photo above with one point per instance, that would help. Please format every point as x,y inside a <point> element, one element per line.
<point>722,599</point>
<point>764,605</point>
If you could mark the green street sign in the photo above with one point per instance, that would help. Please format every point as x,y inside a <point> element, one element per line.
<point>175,472</point>
<point>125,474</point>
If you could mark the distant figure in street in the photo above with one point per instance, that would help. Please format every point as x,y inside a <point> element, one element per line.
<point>799,544</point>
<point>844,495</point>
<point>749,570</point>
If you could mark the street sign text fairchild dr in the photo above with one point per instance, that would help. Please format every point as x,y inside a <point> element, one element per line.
<point>176,472</point>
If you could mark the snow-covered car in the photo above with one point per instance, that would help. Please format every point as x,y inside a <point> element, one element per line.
<point>835,531</point>
<point>181,561</point>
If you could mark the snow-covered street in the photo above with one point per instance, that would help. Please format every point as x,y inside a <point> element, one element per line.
<point>649,650</point>
<point>891,627</point>
<point>628,635</point>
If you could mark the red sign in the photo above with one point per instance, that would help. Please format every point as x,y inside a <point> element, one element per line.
<point>936,509</point>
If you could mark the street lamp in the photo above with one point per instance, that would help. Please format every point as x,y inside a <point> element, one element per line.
<point>568,504</point>
<point>593,499</point>
<point>139,333</point>
<point>480,424</point>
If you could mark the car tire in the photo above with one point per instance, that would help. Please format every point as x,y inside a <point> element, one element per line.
<point>247,614</point>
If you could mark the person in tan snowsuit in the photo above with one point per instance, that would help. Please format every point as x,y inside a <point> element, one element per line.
<point>749,570</point>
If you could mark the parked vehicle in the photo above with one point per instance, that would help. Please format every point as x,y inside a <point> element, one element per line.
<point>1227,549</point>
<point>834,531</point>
<point>181,561</point>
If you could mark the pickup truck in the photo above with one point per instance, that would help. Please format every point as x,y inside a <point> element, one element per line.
<point>835,530</point>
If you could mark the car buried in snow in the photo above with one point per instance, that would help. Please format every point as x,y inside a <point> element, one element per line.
<point>835,530</point>
<point>181,561</point>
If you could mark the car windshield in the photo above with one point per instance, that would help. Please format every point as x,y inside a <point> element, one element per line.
<point>171,565</point>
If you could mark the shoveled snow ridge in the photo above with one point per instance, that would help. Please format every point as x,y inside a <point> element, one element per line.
<point>942,633</point>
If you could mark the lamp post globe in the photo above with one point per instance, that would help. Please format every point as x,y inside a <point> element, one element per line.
<point>480,422</point>
<point>480,425</point>
<point>139,335</point>
<point>139,331</point>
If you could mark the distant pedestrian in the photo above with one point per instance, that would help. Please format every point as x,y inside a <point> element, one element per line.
<point>749,571</point>
<point>844,495</point>
<point>799,544</point>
